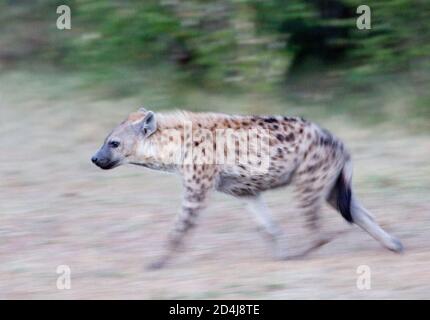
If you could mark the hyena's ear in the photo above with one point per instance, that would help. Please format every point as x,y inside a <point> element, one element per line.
<point>148,125</point>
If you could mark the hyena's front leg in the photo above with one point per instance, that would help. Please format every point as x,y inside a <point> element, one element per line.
<point>184,221</point>
<point>195,194</point>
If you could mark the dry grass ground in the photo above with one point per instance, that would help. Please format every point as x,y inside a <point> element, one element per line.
<point>57,208</point>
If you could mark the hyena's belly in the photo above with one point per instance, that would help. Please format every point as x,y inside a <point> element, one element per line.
<point>243,184</point>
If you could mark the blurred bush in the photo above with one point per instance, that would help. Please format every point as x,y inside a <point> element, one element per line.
<point>251,44</point>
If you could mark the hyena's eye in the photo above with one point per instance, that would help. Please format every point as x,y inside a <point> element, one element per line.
<point>114,144</point>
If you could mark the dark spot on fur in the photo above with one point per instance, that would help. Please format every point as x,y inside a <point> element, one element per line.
<point>270,120</point>
<point>290,137</point>
<point>291,119</point>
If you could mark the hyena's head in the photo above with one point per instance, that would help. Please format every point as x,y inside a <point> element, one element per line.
<point>120,145</point>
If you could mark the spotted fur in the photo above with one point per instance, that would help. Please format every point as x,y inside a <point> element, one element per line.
<point>300,153</point>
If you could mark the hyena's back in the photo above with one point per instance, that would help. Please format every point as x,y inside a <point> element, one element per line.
<point>300,153</point>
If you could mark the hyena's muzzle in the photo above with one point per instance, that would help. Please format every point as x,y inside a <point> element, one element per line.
<point>105,159</point>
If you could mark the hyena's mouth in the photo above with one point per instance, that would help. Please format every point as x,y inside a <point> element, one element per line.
<point>109,165</point>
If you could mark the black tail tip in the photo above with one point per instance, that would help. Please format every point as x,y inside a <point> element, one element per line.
<point>344,198</point>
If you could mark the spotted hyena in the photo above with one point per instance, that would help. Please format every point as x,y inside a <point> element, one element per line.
<point>242,156</point>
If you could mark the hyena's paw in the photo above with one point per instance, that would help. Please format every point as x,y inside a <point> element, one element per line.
<point>297,253</point>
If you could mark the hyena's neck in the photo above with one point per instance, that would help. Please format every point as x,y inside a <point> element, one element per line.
<point>154,153</point>
<point>170,147</point>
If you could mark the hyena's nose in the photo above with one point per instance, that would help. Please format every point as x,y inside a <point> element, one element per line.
<point>94,159</point>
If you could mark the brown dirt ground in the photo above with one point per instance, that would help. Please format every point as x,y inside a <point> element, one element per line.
<point>56,208</point>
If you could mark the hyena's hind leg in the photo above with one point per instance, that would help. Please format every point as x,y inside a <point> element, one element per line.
<point>262,215</point>
<point>258,207</point>
<point>309,204</point>
<point>343,199</point>
<point>312,183</point>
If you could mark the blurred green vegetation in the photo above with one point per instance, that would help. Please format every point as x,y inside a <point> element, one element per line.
<point>306,50</point>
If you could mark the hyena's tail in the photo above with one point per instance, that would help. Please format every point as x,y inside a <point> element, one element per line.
<point>340,196</point>
<point>345,202</point>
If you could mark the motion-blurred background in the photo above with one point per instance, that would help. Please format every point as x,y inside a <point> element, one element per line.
<point>61,91</point>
